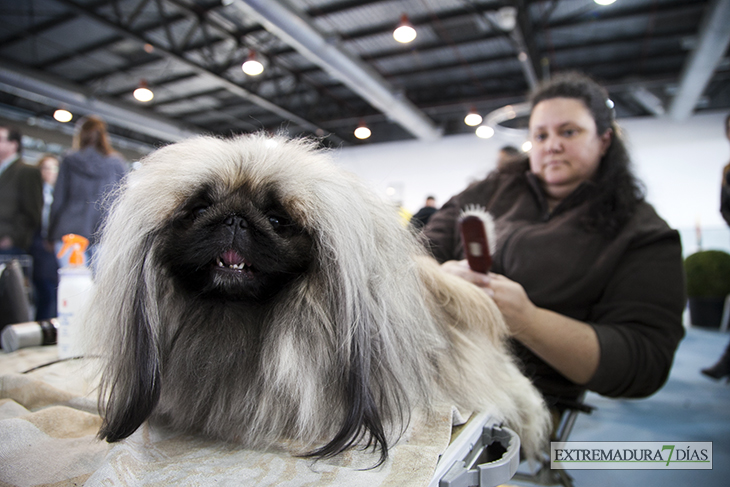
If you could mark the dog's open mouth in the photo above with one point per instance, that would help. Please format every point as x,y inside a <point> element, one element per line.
<point>232,261</point>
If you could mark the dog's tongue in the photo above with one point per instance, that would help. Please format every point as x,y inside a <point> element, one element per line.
<point>231,257</point>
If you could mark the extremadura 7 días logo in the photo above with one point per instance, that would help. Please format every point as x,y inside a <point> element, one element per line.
<point>627,455</point>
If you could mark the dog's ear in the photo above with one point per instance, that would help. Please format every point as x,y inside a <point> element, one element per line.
<point>135,388</point>
<point>131,383</point>
<point>363,416</point>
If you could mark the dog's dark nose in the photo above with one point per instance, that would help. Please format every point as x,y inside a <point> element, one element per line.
<point>235,220</point>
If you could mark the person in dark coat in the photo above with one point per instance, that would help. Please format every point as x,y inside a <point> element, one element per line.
<point>21,195</point>
<point>721,369</point>
<point>420,219</point>
<point>45,265</point>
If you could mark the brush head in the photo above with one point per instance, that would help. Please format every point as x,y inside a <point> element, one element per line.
<point>477,238</point>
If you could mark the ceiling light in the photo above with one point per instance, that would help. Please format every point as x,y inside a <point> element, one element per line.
<point>604,2</point>
<point>484,131</point>
<point>362,131</point>
<point>527,146</point>
<point>252,66</point>
<point>506,18</point>
<point>472,118</point>
<point>143,93</point>
<point>405,32</point>
<point>62,115</point>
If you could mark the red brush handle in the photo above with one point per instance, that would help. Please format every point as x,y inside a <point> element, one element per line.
<point>476,246</point>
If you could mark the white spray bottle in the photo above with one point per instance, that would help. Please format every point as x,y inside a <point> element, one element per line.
<point>74,288</point>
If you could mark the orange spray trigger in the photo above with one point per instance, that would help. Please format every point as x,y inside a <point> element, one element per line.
<point>77,244</point>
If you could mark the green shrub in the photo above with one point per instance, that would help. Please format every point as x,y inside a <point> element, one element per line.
<point>708,274</point>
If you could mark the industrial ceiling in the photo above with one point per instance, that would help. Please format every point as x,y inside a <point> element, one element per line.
<point>332,65</point>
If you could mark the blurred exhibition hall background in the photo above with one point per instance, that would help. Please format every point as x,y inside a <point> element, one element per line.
<point>330,67</point>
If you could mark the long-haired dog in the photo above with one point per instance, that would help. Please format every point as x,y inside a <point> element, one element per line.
<point>249,290</point>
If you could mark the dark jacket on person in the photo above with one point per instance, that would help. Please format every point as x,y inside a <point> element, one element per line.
<point>725,194</point>
<point>629,288</point>
<point>21,203</point>
<point>420,219</point>
<point>84,179</point>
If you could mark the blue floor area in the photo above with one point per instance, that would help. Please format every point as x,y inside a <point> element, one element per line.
<point>690,407</point>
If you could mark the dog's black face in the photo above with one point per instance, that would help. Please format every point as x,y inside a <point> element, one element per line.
<point>242,245</point>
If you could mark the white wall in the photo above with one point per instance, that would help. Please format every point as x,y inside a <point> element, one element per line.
<point>680,164</point>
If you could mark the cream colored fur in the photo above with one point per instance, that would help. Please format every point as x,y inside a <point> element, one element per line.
<point>374,306</point>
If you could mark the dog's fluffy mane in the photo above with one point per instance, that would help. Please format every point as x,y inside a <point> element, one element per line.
<point>346,350</point>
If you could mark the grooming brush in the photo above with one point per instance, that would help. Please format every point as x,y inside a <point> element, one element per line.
<point>477,238</point>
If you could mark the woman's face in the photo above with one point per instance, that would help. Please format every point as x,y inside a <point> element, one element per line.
<point>566,149</point>
<point>49,170</point>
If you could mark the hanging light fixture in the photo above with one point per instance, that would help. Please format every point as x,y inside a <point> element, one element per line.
<point>362,131</point>
<point>143,93</point>
<point>473,118</point>
<point>405,32</point>
<point>62,115</point>
<point>506,18</point>
<point>604,2</point>
<point>484,131</point>
<point>252,66</point>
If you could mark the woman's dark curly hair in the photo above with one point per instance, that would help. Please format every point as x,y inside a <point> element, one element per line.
<point>617,192</point>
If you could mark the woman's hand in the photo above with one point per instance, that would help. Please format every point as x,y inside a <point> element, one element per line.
<point>461,269</point>
<point>510,297</point>
<point>570,346</point>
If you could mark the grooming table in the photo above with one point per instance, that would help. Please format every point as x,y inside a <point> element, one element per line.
<point>482,453</point>
<point>49,420</point>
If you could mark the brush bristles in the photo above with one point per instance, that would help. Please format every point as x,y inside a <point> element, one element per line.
<point>481,213</point>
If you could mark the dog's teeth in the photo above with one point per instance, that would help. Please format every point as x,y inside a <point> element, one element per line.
<point>237,267</point>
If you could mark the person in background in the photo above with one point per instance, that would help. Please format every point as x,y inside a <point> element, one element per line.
<point>507,155</point>
<point>45,265</point>
<point>21,195</point>
<point>420,219</point>
<point>722,366</point>
<point>587,276</point>
<point>725,184</point>
<point>86,176</point>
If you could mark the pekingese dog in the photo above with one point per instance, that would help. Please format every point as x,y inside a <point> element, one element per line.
<point>251,291</point>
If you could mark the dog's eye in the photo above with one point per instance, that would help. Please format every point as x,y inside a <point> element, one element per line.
<point>280,223</point>
<point>198,210</point>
